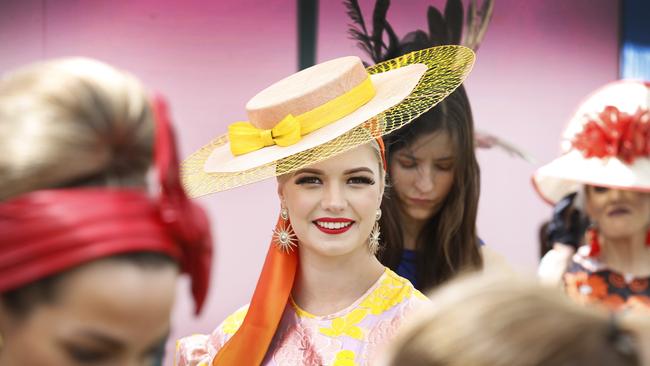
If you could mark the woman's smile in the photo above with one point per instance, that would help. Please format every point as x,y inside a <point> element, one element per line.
<point>333,225</point>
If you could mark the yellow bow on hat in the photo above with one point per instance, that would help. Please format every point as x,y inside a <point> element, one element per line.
<point>244,137</point>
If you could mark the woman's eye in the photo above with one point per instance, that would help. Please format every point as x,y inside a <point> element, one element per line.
<point>407,163</point>
<point>444,167</point>
<point>361,180</point>
<point>87,356</point>
<point>155,356</point>
<point>308,180</point>
<point>600,189</point>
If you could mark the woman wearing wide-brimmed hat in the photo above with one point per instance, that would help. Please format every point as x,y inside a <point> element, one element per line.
<point>607,165</point>
<point>322,296</point>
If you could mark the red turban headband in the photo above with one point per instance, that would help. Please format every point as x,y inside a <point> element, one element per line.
<point>46,232</point>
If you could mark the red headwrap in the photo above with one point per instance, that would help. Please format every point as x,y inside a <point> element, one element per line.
<point>49,231</point>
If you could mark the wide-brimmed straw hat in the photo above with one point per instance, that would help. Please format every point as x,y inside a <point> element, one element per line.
<point>322,111</point>
<point>606,143</point>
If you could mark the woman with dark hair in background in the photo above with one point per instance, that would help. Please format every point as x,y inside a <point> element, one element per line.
<point>88,257</point>
<point>431,201</point>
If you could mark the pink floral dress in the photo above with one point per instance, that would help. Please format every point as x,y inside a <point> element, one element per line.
<point>352,336</point>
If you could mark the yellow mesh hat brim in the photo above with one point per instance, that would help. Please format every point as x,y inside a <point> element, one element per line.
<point>447,68</point>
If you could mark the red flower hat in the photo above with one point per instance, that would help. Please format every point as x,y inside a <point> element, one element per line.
<point>606,143</point>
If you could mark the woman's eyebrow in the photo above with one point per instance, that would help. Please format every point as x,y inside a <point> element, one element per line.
<point>309,171</point>
<point>408,155</point>
<point>358,170</point>
<point>445,158</point>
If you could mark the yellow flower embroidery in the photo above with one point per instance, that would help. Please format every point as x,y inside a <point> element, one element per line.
<point>344,358</point>
<point>390,292</point>
<point>234,320</point>
<point>347,325</point>
<point>301,313</point>
<point>420,295</point>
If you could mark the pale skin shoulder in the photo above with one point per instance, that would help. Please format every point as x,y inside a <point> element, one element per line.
<point>554,264</point>
<point>494,261</point>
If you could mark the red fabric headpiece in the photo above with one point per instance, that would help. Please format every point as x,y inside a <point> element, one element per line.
<point>616,134</point>
<point>49,231</point>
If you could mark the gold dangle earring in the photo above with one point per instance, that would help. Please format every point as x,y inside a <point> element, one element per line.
<point>283,235</point>
<point>373,240</point>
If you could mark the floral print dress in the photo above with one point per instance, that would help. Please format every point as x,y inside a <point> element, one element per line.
<point>352,336</point>
<point>589,281</point>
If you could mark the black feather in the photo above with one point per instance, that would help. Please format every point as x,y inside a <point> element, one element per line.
<point>378,25</point>
<point>354,12</point>
<point>415,41</point>
<point>454,20</point>
<point>363,41</point>
<point>437,27</point>
<point>394,48</point>
<point>470,24</point>
<point>357,30</point>
<point>486,15</point>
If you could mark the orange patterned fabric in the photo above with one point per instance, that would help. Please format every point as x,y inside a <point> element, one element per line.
<point>249,344</point>
<point>589,281</point>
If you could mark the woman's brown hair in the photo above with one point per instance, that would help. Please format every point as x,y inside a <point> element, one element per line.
<point>448,242</point>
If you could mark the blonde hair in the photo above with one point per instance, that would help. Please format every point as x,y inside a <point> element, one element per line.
<point>498,321</point>
<point>72,122</point>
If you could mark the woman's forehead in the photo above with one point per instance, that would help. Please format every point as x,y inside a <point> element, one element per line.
<point>361,156</point>
<point>437,145</point>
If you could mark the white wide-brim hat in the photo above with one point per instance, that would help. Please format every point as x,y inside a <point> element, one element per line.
<point>594,143</point>
<point>349,104</point>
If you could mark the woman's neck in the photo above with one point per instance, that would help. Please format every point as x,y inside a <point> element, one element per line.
<point>627,255</point>
<point>325,285</point>
<point>410,230</point>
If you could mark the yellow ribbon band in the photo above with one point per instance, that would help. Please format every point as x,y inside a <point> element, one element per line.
<point>244,137</point>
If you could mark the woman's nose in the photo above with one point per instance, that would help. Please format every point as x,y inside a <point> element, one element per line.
<point>334,198</point>
<point>424,180</point>
<point>615,194</point>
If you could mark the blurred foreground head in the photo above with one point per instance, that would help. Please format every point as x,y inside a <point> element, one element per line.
<point>492,320</point>
<point>89,251</point>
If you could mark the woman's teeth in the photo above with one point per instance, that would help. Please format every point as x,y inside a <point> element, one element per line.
<point>333,225</point>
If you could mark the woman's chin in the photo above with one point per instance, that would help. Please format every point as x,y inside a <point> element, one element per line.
<point>419,214</point>
<point>333,248</point>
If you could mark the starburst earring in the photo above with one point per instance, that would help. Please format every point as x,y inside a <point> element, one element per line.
<point>373,240</point>
<point>283,235</point>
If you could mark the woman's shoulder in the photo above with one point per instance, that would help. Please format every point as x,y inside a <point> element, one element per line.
<point>200,349</point>
<point>554,264</point>
<point>393,291</point>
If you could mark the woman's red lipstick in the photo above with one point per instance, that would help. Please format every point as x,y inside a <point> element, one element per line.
<point>333,225</point>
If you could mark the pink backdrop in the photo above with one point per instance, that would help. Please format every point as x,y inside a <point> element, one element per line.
<point>538,60</point>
